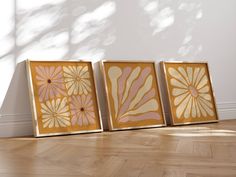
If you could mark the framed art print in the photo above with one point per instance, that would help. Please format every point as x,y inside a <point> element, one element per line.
<point>190,94</point>
<point>132,95</point>
<point>63,97</point>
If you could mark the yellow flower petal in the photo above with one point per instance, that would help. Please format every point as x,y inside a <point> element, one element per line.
<point>180,98</point>
<point>176,83</point>
<point>199,76</point>
<point>180,109</point>
<point>183,72</point>
<point>188,108</point>
<point>190,74</point>
<point>177,76</point>
<point>205,96</point>
<point>178,91</point>
<point>194,109</point>
<point>203,82</point>
<point>204,89</point>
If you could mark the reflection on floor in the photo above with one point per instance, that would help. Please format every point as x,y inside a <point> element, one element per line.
<point>206,150</point>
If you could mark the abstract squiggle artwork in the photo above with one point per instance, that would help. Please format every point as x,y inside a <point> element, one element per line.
<point>133,95</point>
<point>190,92</point>
<point>63,97</point>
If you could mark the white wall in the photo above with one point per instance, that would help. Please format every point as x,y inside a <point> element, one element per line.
<point>118,29</point>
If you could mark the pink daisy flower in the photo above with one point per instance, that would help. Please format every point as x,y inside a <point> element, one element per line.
<point>49,82</point>
<point>82,110</point>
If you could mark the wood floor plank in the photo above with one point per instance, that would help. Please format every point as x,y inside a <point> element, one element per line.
<point>203,150</point>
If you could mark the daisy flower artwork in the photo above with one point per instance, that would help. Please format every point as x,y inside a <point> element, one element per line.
<point>63,97</point>
<point>190,92</point>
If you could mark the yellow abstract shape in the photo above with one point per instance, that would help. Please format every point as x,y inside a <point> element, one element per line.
<point>142,91</point>
<point>151,105</point>
<point>114,73</point>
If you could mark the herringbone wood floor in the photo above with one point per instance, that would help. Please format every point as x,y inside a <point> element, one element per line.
<point>206,150</point>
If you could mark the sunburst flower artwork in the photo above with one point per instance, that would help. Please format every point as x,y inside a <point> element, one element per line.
<point>77,80</point>
<point>190,94</point>
<point>63,97</point>
<point>132,95</point>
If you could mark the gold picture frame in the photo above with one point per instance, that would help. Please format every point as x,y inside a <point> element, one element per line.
<point>132,94</point>
<point>191,97</point>
<point>63,97</point>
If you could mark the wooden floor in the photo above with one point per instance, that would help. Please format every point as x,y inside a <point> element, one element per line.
<point>206,150</point>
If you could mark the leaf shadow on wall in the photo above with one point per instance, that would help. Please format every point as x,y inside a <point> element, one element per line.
<point>56,30</point>
<point>157,29</point>
<point>94,30</point>
<point>66,30</point>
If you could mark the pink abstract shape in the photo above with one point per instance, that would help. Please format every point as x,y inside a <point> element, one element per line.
<point>134,89</point>
<point>122,81</point>
<point>146,97</point>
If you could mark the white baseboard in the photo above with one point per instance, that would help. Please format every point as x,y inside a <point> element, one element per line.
<point>227,110</point>
<point>13,125</point>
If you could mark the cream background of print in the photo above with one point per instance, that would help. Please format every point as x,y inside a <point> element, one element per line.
<point>190,94</point>
<point>63,97</point>
<point>132,95</point>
